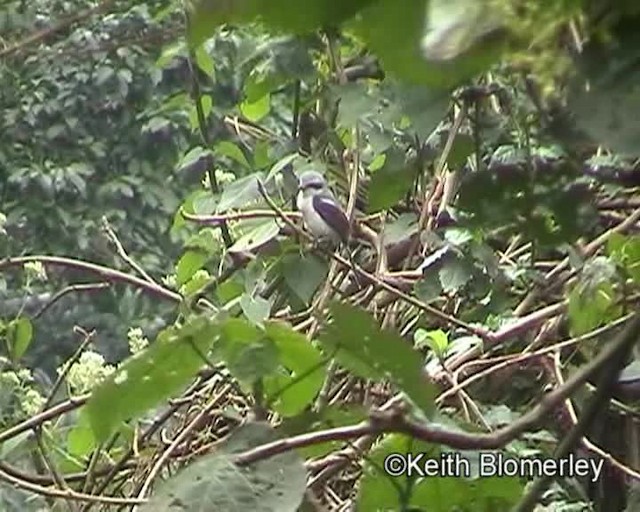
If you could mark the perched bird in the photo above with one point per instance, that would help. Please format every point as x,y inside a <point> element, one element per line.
<point>322,214</point>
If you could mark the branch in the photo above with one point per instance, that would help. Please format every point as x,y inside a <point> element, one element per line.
<point>106,273</point>
<point>394,421</point>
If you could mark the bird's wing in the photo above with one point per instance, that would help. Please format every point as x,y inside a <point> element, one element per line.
<point>332,214</point>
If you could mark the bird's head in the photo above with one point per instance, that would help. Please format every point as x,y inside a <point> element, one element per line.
<point>311,182</point>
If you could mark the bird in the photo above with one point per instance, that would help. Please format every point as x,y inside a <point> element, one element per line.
<point>322,214</point>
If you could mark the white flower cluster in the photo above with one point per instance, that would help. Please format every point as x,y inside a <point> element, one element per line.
<point>89,370</point>
<point>137,340</point>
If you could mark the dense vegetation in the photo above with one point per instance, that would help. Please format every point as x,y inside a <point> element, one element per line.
<point>173,336</point>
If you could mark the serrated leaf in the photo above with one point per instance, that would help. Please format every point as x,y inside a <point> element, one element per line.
<point>400,229</point>
<point>370,352</point>
<point>428,288</point>
<point>215,482</point>
<point>146,379</point>
<point>378,492</point>
<point>394,31</point>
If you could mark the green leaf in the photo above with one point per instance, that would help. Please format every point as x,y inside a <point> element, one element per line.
<point>370,352</point>
<point>454,275</point>
<point>290,394</point>
<point>204,61</point>
<point>150,377</point>
<point>189,264</point>
<point>625,251</point>
<point>428,288</point>
<point>278,14</point>
<point>215,482</point>
<point>355,103</point>
<point>378,491</point>
<point>390,183</point>
<point>231,150</point>
<point>436,340</point>
<point>257,236</point>
<point>400,229</point>
<point>248,353</point>
<point>19,336</point>
<point>191,157</point>
<point>395,31</point>
<point>591,306</point>
<point>463,146</point>
<point>304,273</point>
<point>255,308</point>
<point>256,110</point>
<point>81,440</point>
<point>240,192</point>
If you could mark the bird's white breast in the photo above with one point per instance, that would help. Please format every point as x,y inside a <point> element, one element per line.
<point>312,220</point>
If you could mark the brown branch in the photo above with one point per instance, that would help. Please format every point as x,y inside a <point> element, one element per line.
<point>394,421</point>
<point>107,273</point>
<point>89,287</point>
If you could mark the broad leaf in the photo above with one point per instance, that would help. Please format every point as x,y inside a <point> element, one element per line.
<point>370,352</point>
<point>215,482</point>
<point>304,274</point>
<point>294,391</point>
<point>148,378</point>
<point>263,231</point>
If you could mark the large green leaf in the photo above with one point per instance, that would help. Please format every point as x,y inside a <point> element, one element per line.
<point>240,192</point>
<point>246,351</point>
<point>392,182</point>
<point>370,352</point>
<point>303,274</point>
<point>215,482</point>
<point>395,31</point>
<point>262,232</point>
<point>148,378</point>
<point>277,14</point>
<point>293,392</point>
<point>19,335</point>
<point>188,264</point>
<point>449,489</point>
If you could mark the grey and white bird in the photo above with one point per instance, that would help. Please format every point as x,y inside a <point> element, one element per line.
<point>322,214</point>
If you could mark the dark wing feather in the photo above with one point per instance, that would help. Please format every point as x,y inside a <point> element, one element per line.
<point>332,214</point>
